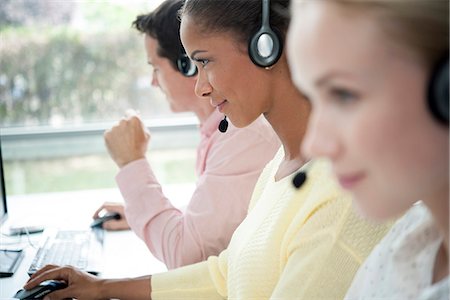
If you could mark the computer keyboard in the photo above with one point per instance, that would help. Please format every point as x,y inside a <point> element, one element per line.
<point>78,248</point>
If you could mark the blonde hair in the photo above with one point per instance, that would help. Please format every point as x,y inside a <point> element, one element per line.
<point>420,25</point>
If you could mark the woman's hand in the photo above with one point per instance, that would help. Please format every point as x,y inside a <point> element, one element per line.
<point>84,286</point>
<point>80,285</point>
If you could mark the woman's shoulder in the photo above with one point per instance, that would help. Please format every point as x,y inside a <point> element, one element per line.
<point>266,177</point>
<point>403,260</point>
<point>415,221</point>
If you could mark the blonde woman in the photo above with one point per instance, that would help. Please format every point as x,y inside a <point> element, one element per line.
<point>376,73</point>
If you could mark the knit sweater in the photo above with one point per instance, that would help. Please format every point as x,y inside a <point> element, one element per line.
<point>228,166</point>
<point>304,244</point>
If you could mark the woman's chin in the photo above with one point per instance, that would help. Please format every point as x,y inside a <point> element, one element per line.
<point>241,123</point>
<point>368,209</point>
<point>177,109</point>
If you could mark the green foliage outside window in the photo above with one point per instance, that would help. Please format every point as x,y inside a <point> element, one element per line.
<point>71,62</point>
<point>64,74</point>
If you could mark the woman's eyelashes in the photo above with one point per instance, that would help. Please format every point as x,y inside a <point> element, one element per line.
<point>342,95</point>
<point>154,69</point>
<point>202,61</point>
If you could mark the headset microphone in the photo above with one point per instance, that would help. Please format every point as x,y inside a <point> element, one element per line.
<point>223,125</point>
<point>299,179</point>
<point>301,176</point>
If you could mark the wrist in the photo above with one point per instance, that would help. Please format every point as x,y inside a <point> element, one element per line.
<point>122,164</point>
<point>127,288</point>
<point>104,289</point>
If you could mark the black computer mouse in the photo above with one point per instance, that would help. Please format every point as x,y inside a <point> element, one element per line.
<point>106,217</point>
<point>41,290</point>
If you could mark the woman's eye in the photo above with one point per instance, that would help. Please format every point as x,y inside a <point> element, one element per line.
<point>203,61</point>
<point>342,95</point>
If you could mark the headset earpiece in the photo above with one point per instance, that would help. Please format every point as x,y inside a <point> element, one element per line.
<point>265,45</point>
<point>186,66</point>
<point>438,93</point>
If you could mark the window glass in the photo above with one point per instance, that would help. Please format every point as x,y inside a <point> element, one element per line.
<point>68,71</point>
<point>73,62</point>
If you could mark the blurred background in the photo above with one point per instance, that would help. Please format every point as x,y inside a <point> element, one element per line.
<point>68,71</point>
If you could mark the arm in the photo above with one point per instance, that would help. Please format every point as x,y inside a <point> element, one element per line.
<point>327,249</point>
<point>216,208</point>
<point>82,285</point>
<point>318,264</point>
<point>128,288</point>
<point>204,280</point>
<point>126,142</point>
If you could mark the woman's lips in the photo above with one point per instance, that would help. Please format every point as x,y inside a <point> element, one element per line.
<point>349,181</point>
<point>219,105</point>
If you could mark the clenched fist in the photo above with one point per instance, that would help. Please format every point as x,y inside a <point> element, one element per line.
<point>128,140</point>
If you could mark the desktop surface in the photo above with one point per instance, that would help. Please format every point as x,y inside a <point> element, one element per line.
<point>125,254</point>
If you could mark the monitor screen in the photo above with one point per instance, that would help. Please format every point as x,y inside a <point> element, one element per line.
<point>3,209</point>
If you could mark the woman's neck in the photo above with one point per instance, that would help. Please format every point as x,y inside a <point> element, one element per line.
<point>288,116</point>
<point>439,208</point>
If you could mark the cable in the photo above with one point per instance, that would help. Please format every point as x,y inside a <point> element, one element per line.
<point>19,242</point>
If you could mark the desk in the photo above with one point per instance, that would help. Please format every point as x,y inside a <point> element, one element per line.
<point>76,208</point>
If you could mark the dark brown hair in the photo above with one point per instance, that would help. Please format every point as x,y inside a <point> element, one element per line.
<point>163,25</point>
<point>240,17</point>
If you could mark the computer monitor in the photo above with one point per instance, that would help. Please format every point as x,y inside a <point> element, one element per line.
<point>19,226</point>
<point>3,207</point>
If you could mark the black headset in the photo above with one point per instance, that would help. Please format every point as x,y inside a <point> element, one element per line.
<point>186,66</point>
<point>438,93</point>
<point>265,47</point>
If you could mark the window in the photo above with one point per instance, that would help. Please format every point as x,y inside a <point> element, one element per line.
<point>68,71</point>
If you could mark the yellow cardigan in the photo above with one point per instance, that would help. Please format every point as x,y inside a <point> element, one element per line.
<point>304,244</point>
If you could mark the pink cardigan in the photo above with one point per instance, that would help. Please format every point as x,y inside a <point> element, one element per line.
<point>228,165</point>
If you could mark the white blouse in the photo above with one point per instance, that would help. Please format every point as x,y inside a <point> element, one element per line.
<point>401,265</point>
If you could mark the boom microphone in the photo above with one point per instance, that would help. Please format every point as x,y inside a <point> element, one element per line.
<point>223,125</point>
<point>299,179</point>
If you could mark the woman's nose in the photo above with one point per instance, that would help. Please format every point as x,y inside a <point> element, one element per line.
<point>321,138</point>
<point>154,81</point>
<point>202,86</point>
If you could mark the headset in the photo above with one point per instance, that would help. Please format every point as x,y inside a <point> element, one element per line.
<point>438,94</point>
<point>265,45</point>
<point>186,66</point>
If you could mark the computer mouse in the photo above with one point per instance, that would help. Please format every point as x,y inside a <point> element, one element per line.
<point>41,290</point>
<point>106,217</point>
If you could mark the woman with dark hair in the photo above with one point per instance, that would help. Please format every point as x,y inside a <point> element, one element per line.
<point>228,164</point>
<point>306,246</point>
<point>376,73</point>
